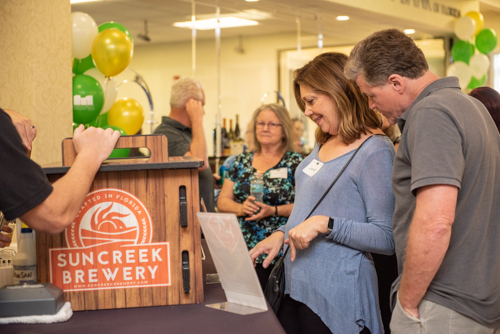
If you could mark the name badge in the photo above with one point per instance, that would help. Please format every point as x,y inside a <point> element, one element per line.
<point>280,173</point>
<point>313,167</point>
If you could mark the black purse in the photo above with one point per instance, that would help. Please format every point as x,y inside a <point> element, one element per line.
<point>275,287</point>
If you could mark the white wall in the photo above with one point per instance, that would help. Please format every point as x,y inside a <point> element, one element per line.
<point>245,78</point>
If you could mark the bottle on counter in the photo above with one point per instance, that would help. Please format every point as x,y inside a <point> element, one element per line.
<point>225,138</point>
<point>237,143</point>
<point>237,131</point>
<point>24,262</point>
<point>231,134</point>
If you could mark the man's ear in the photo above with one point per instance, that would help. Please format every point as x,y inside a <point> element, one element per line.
<point>397,83</point>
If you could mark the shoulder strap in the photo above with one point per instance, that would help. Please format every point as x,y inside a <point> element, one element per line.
<point>334,181</point>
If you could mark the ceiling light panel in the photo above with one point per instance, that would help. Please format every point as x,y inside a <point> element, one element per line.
<point>225,22</point>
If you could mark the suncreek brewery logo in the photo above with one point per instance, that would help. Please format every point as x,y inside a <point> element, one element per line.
<point>109,246</point>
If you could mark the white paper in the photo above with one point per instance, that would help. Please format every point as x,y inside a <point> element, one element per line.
<point>232,261</point>
<point>313,167</point>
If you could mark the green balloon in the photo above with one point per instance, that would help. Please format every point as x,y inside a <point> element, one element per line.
<point>88,99</point>
<point>116,25</point>
<point>81,66</point>
<point>118,152</point>
<point>474,83</point>
<point>75,125</point>
<point>462,51</point>
<point>486,40</point>
<point>100,122</point>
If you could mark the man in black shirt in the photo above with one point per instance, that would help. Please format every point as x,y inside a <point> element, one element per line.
<point>26,192</point>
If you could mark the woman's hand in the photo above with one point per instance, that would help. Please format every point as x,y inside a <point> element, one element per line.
<point>217,178</point>
<point>270,246</point>
<point>300,236</point>
<point>251,208</point>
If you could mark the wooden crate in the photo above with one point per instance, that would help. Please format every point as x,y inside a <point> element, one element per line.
<point>125,247</point>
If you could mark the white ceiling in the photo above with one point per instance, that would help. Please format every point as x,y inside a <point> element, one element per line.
<point>281,18</point>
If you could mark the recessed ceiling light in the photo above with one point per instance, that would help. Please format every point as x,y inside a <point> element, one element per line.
<point>251,0</point>
<point>342,18</point>
<point>81,1</point>
<point>409,31</point>
<point>225,22</point>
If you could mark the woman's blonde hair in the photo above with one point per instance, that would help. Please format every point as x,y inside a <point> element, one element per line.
<point>280,111</point>
<point>325,75</point>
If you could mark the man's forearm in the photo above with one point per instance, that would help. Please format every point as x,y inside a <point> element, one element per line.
<point>428,241</point>
<point>424,254</point>
<point>60,208</point>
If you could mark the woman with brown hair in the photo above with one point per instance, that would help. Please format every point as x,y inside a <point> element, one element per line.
<point>331,283</point>
<point>275,160</point>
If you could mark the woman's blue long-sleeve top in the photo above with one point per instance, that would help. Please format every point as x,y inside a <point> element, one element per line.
<point>335,276</point>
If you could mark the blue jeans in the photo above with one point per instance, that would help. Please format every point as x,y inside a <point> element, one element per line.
<point>435,319</point>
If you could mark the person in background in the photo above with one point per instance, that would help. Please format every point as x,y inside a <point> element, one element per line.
<point>275,158</point>
<point>491,100</point>
<point>331,283</point>
<point>298,131</point>
<point>184,130</point>
<point>25,191</point>
<point>445,179</point>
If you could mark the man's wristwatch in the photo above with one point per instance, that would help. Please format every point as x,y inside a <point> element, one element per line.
<point>329,226</point>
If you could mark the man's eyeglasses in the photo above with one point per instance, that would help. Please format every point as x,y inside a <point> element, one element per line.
<point>262,125</point>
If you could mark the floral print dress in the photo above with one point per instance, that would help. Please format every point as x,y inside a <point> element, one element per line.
<point>279,189</point>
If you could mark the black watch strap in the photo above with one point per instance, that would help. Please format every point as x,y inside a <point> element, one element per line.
<point>331,221</point>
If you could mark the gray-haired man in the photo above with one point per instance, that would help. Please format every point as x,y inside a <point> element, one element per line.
<point>184,130</point>
<point>445,179</point>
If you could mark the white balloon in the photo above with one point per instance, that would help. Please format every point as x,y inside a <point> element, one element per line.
<point>479,65</point>
<point>460,70</point>
<point>109,87</point>
<point>84,32</point>
<point>465,28</point>
<point>110,93</point>
<point>94,73</point>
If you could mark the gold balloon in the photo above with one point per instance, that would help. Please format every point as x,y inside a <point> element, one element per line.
<point>479,19</point>
<point>112,51</point>
<point>126,114</point>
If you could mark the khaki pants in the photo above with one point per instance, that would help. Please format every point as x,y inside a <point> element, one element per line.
<point>435,319</point>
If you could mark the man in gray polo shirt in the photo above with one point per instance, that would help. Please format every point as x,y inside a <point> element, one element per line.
<point>446,179</point>
<point>184,130</point>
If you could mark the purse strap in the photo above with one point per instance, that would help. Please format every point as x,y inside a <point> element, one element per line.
<point>334,181</point>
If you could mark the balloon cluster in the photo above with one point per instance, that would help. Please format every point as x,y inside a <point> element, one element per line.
<point>469,53</point>
<point>102,52</point>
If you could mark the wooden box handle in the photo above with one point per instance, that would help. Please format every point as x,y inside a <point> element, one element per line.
<point>157,145</point>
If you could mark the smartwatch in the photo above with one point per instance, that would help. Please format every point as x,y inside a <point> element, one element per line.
<point>329,226</point>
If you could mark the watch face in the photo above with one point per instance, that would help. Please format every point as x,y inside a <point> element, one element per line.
<point>330,223</point>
